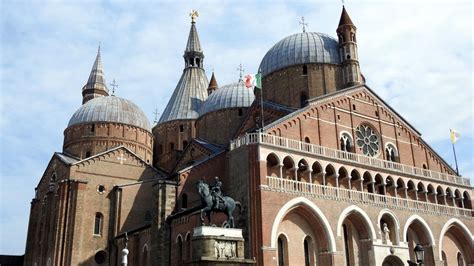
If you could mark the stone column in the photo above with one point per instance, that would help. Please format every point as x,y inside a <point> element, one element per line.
<point>281,170</point>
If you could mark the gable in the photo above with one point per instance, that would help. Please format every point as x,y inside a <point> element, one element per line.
<point>196,151</point>
<point>327,117</point>
<point>118,162</point>
<point>56,170</point>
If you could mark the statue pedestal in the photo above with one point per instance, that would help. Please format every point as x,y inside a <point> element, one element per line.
<point>218,246</point>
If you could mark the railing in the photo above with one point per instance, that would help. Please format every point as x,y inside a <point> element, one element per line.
<point>342,194</point>
<point>296,145</point>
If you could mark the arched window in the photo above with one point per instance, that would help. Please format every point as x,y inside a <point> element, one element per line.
<point>282,251</point>
<point>92,128</point>
<point>306,140</point>
<point>88,154</point>
<point>346,142</point>
<point>184,201</point>
<point>181,128</point>
<point>460,259</point>
<point>180,249</point>
<point>171,146</point>
<point>198,62</point>
<point>98,223</point>
<point>145,256</point>
<point>305,70</point>
<point>444,259</point>
<point>391,152</point>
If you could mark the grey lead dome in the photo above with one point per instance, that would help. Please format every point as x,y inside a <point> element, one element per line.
<point>110,109</point>
<point>229,96</point>
<point>301,48</point>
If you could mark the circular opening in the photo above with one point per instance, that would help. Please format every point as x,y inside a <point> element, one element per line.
<point>100,257</point>
<point>101,189</point>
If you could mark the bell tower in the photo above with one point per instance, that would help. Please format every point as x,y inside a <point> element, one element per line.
<point>346,32</point>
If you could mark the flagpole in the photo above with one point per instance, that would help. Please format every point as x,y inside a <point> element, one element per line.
<point>455,159</point>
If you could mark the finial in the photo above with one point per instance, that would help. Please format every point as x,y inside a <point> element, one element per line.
<point>156,115</point>
<point>304,24</point>
<point>98,50</point>
<point>114,85</point>
<point>241,71</point>
<point>194,15</point>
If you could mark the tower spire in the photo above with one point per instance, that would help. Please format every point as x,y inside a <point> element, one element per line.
<point>95,86</point>
<point>193,54</point>
<point>212,84</point>
<point>346,32</point>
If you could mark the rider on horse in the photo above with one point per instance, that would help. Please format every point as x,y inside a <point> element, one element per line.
<point>216,192</point>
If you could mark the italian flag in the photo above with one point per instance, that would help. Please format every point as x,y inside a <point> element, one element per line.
<point>253,81</point>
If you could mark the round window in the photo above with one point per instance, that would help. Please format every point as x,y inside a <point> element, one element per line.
<point>101,189</point>
<point>100,257</point>
<point>367,140</point>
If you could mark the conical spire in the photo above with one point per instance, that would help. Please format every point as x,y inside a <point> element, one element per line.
<point>212,84</point>
<point>190,92</point>
<point>193,54</point>
<point>345,19</point>
<point>96,83</point>
<point>193,44</point>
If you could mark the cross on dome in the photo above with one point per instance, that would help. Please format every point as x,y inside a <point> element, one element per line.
<point>303,23</point>
<point>241,71</point>
<point>113,85</point>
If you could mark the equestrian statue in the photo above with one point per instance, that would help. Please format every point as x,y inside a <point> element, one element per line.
<point>213,200</point>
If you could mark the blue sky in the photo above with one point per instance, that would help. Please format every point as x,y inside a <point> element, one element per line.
<point>417,55</point>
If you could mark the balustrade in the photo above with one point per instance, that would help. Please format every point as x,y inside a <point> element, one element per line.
<point>335,193</point>
<point>295,145</point>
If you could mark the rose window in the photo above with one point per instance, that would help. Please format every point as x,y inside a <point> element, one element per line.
<point>367,140</point>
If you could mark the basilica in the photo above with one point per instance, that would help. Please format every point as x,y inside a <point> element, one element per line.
<point>324,170</point>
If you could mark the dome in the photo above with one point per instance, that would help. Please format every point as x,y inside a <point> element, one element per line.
<point>229,96</point>
<point>110,109</point>
<point>301,48</point>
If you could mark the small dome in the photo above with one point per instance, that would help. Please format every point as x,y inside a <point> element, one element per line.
<point>301,48</point>
<point>110,109</point>
<point>228,96</point>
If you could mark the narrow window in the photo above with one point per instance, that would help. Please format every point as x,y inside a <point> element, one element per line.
<point>354,107</point>
<point>98,224</point>
<point>346,244</point>
<point>198,62</point>
<point>303,99</point>
<point>88,154</point>
<point>377,113</point>
<point>346,142</point>
<point>305,70</point>
<point>241,112</point>
<point>181,128</point>
<point>281,252</point>
<point>338,117</point>
<point>185,144</point>
<point>307,140</point>
<point>180,249</point>
<point>184,201</point>
<point>424,166</point>
<point>93,128</point>
<point>307,258</point>
<point>171,146</point>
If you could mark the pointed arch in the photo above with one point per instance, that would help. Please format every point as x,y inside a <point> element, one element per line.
<point>297,202</point>
<point>387,212</point>
<point>361,213</point>
<point>461,226</point>
<point>416,217</point>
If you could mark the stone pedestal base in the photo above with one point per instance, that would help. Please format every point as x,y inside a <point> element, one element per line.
<point>218,246</point>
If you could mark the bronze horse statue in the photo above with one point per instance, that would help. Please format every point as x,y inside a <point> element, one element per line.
<point>214,203</point>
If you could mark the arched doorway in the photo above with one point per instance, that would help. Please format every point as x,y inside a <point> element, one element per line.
<point>357,232</point>
<point>301,223</point>
<point>417,232</point>
<point>456,242</point>
<point>392,261</point>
